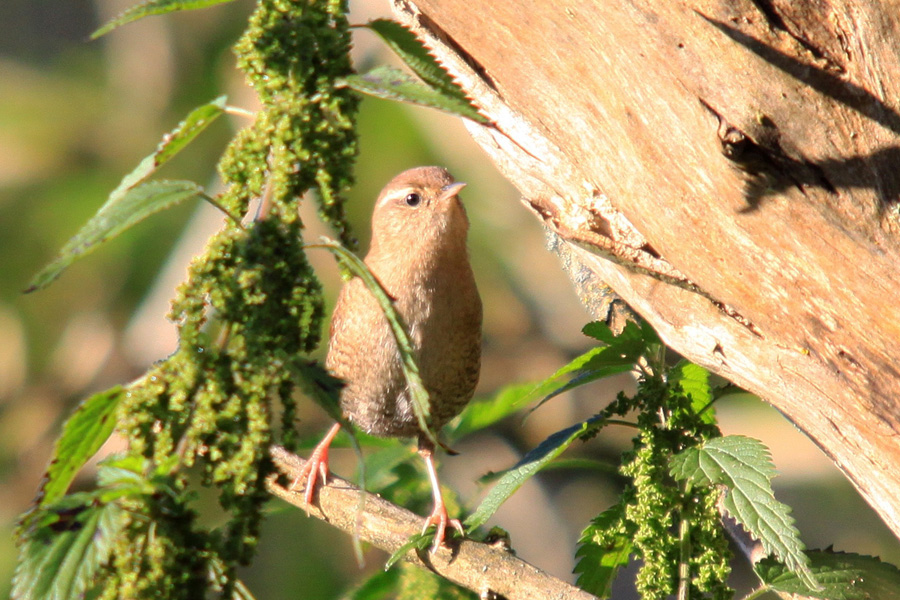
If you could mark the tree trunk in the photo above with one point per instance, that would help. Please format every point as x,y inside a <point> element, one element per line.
<point>731,169</point>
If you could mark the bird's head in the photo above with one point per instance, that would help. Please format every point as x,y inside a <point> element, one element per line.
<point>418,210</point>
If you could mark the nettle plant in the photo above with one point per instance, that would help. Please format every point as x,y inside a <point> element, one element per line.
<point>251,311</point>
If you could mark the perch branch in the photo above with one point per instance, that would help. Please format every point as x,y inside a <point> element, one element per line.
<point>490,571</point>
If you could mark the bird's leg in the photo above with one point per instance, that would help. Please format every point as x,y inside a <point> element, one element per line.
<point>439,517</point>
<point>316,465</point>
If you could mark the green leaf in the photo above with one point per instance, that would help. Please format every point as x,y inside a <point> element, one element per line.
<point>632,333</point>
<point>420,401</point>
<point>129,204</point>
<point>61,561</point>
<point>842,576</point>
<point>153,7</point>
<point>197,120</point>
<point>122,469</point>
<point>129,475</point>
<point>596,363</point>
<point>579,363</point>
<point>593,373</point>
<point>83,434</point>
<point>417,57</point>
<point>648,334</point>
<point>419,541</point>
<point>602,553</point>
<point>485,412</point>
<point>694,381</point>
<point>392,84</point>
<point>113,218</point>
<point>629,345</point>
<point>634,341</point>
<point>744,467</point>
<point>600,331</point>
<point>172,143</point>
<point>525,469</point>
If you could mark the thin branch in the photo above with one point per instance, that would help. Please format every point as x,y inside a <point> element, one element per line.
<point>488,570</point>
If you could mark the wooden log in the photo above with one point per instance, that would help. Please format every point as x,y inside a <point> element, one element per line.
<point>731,169</point>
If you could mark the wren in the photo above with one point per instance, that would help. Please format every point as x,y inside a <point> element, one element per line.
<point>418,253</point>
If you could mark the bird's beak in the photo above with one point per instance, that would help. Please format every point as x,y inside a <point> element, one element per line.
<point>448,191</point>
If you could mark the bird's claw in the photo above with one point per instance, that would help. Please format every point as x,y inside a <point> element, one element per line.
<point>440,519</point>
<point>315,467</point>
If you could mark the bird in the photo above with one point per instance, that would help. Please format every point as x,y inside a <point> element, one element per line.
<point>418,253</point>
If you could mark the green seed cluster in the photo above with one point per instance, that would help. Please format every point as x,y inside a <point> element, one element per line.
<point>711,562</point>
<point>211,402</point>
<point>655,505</point>
<point>650,507</point>
<point>709,558</point>
<point>250,307</point>
<point>173,556</point>
<point>295,55</point>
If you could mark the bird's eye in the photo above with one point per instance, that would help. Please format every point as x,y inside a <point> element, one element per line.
<point>413,199</point>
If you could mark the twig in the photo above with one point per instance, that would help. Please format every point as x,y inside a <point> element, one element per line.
<point>490,571</point>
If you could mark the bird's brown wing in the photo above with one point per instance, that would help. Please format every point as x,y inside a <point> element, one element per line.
<point>362,351</point>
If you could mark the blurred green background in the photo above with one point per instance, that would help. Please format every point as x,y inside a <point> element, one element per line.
<point>75,116</point>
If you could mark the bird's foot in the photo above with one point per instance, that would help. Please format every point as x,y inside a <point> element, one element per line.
<point>315,467</point>
<point>441,519</point>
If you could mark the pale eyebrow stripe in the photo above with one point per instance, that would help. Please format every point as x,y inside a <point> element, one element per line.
<point>400,193</point>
